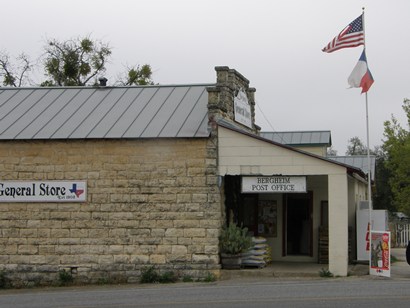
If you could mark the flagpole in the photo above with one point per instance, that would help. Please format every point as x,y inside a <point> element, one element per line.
<point>369,178</point>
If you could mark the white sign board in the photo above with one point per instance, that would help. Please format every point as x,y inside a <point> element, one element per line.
<point>380,253</point>
<point>274,184</point>
<point>379,222</point>
<point>242,110</point>
<point>43,191</point>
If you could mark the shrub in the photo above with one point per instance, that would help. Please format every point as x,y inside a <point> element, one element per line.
<point>325,273</point>
<point>234,240</point>
<point>3,280</point>
<point>65,277</point>
<point>149,275</point>
<point>187,278</point>
<point>168,277</point>
<point>209,277</point>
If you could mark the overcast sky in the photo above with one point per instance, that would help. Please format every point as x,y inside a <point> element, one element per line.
<point>275,44</point>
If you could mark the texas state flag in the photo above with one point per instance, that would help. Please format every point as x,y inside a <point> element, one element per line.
<point>361,76</point>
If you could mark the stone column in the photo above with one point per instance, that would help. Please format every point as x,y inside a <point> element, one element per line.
<point>338,224</point>
<point>221,97</point>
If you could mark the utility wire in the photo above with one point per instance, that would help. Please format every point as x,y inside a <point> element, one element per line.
<point>271,126</point>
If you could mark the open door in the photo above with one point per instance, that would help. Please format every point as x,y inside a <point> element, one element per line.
<point>298,225</point>
<point>248,213</point>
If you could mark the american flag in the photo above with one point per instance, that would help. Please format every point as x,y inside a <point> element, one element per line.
<point>351,36</point>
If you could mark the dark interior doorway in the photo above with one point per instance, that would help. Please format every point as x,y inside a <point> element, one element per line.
<point>241,209</point>
<point>298,227</point>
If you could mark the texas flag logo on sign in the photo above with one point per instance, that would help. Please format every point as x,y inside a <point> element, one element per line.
<point>77,191</point>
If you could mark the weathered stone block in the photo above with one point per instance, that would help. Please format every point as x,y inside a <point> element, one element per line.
<point>79,249</point>
<point>164,249</point>
<point>174,232</point>
<point>27,249</point>
<point>115,249</point>
<point>46,249</point>
<point>38,260</point>
<point>164,223</point>
<point>60,233</point>
<point>179,250</point>
<point>194,232</point>
<point>185,223</point>
<point>140,259</point>
<point>157,259</point>
<point>200,258</point>
<point>211,249</point>
<point>121,259</point>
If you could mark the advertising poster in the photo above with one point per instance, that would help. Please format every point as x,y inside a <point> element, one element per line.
<point>267,218</point>
<point>380,253</point>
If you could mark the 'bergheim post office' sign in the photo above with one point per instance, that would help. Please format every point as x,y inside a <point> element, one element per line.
<point>43,191</point>
<point>273,184</point>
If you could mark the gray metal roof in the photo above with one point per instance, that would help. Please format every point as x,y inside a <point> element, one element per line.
<point>104,112</point>
<point>358,161</point>
<point>300,138</point>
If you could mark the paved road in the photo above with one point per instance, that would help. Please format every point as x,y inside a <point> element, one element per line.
<point>359,291</point>
<point>336,292</point>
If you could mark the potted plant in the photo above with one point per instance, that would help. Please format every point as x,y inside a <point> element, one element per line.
<point>232,242</point>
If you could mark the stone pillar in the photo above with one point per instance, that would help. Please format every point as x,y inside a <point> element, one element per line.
<point>221,97</point>
<point>338,224</point>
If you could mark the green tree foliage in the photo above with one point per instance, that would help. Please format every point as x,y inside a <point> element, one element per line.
<point>137,75</point>
<point>75,62</point>
<point>382,194</point>
<point>397,149</point>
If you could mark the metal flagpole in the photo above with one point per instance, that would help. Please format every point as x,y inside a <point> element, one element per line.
<point>369,178</point>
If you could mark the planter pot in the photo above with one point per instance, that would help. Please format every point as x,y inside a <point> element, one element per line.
<point>231,261</point>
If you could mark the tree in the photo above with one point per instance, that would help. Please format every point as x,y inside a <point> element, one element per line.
<point>382,194</point>
<point>331,151</point>
<point>356,147</point>
<point>75,62</point>
<point>137,75</point>
<point>397,149</point>
<point>14,74</point>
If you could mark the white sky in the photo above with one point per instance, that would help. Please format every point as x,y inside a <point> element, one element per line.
<point>275,44</point>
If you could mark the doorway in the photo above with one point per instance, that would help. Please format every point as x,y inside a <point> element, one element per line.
<point>298,225</point>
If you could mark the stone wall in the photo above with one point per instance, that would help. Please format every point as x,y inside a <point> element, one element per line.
<point>149,202</point>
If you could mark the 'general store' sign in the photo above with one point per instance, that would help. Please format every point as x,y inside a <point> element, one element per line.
<point>43,191</point>
<point>273,184</point>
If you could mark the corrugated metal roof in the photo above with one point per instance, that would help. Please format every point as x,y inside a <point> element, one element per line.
<point>300,138</point>
<point>104,112</point>
<point>358,161</point>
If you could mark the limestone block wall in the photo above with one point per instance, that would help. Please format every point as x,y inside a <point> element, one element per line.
<point>149,202</point>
